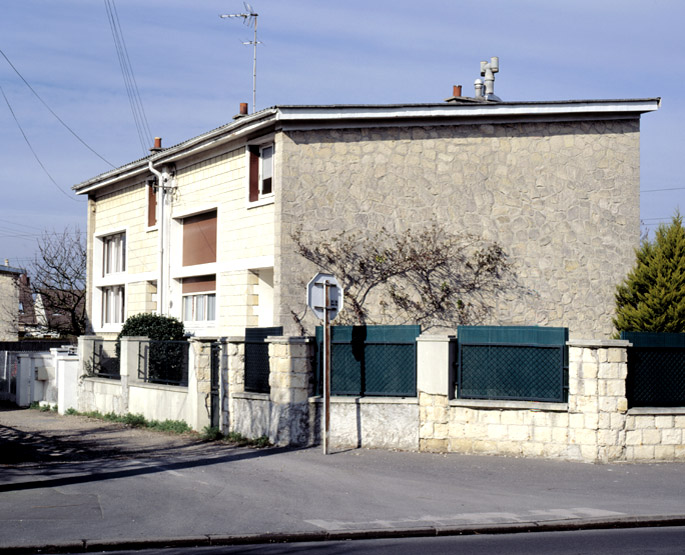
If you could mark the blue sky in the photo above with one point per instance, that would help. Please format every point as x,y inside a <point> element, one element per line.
<point>192,72</point>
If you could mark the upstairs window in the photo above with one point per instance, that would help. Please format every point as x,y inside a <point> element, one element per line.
<point>261,171</point>
<point>114,254</point>
<point>199,239</point>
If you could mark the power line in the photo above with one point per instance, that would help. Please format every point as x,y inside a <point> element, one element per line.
<point>657,190</point>
<point>70,197</point>
<point>52,111</point>
<point>136,103</point>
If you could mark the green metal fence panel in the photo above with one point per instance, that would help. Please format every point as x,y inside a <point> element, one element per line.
<point>257,358</point>
<point>656,369</point>
<point>512,362</point>
<point>371,360</point>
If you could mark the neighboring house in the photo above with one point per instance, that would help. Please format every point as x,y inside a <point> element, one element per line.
<point>10,305</point>
<point>28,324</point>
<point>556,183</point>
<point>53,314</point>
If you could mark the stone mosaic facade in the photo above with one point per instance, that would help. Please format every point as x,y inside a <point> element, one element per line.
<point>561,198</point>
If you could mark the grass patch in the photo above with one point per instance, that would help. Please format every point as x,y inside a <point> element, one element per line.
<point>137,421</point>
<point>242,441</point>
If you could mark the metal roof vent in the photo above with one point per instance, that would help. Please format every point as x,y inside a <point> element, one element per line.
<point>487,70</point>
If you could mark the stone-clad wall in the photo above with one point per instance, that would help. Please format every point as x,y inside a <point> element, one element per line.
<point>562,198</point>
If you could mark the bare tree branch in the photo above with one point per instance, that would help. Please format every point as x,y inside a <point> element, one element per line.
<point>58,276</point>
<point>430,277</point>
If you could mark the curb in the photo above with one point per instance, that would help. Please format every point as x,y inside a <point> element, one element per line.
<point>89,546</point>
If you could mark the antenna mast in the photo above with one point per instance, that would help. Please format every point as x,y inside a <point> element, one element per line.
<point>249,18</point>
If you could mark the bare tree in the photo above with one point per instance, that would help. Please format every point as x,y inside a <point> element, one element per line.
<point>58,275</point>
<point>429,276</point>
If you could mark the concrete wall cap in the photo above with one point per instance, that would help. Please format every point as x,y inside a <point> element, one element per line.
<point>535,406</point>
<point>658,411</point>
<point>289,340</point>
<point>599,343</point>
<point>436,337</point>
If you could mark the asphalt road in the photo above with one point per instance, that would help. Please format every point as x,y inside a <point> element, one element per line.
<point>67,481</point>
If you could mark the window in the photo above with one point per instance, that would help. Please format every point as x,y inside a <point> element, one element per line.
<point>261,171</point>
<point>114,254</point>
<point>151,205</point>
<point>113,305</point>
<point>199,298</point>
<point>199,239</point>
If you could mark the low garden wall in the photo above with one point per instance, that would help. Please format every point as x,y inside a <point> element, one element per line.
<point>593,425</point>
<point>128,394</point>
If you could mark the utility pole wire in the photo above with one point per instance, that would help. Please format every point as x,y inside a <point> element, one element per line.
<point>135,101</point>
<point>53,113</point>
<point>70,197</point>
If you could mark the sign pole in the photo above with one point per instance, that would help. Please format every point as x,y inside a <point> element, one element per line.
<point>327,369</point>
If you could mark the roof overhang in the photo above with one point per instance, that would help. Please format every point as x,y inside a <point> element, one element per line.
<point>337,116</point>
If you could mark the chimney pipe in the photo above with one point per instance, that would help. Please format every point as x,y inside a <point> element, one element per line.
<point>158,145</point>
<point>243,111</point>
<point>456,90</point>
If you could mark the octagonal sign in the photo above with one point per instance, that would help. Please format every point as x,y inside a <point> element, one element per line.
<point>316,295</point>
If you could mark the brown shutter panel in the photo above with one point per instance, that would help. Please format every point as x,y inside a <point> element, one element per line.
<point>151,206</point>
<point>199,239</point>
<point>199,284</point>
<point>254,175</point>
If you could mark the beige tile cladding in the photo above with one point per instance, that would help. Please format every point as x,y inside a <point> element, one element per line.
<point>562,198</point>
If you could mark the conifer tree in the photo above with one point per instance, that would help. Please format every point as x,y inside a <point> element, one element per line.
<point>652,297</point>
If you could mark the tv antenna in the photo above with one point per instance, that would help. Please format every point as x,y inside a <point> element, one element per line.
<point>249,19</point>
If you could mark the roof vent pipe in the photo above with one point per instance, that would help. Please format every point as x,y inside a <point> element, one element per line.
<point>478,86</point>
<point>488,71</point>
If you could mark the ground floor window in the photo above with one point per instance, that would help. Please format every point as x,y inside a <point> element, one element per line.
<point>113,304</point>
<point>199,298</point>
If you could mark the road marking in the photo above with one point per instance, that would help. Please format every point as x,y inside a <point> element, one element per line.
<point>468,518</point>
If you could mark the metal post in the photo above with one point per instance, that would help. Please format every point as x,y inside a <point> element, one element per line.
<point>327,369</point>
<point>254,68</point>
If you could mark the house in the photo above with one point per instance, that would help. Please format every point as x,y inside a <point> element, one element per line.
<point>11,308</point>
<point>203,230</point>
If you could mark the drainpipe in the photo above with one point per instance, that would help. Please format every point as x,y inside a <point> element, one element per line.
<point>162,178</point>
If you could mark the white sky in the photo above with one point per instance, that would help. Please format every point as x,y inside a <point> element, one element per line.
<point>192,72</point>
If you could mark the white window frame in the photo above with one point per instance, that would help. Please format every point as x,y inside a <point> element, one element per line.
<point>113,254</point>
<point>199,305</point>
<point>113,305</point>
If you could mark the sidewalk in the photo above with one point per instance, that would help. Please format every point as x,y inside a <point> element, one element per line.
<point>71,483</point>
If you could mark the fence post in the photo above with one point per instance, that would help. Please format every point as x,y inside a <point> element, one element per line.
<point>597,400</point>
<point>434,386</point>
<point>235,378</point>
<point>290,360</point>
<point>199,381</point>
<point>128,367</point>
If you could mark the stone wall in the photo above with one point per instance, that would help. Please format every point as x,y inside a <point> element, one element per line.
<point>562,198</point>
<point>595,425</point>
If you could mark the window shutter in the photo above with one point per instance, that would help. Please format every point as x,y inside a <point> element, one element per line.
<point>254,176</point>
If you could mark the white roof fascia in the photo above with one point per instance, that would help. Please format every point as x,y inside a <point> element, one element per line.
<point>466,110</point>
<point>187,148</point>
